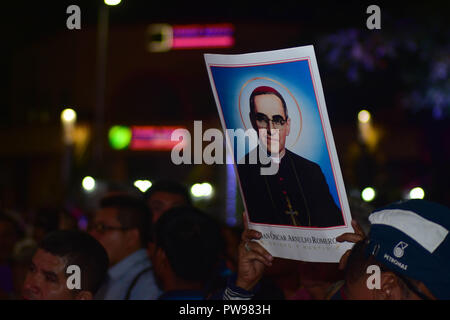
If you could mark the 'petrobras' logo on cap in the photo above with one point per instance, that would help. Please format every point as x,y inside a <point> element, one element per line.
<point>399,249</point>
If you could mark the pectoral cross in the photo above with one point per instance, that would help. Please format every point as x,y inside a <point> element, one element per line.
<point>291,212</point>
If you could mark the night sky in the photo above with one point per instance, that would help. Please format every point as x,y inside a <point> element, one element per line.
<point>401,75</point>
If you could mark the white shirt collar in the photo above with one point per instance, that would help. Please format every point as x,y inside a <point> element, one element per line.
<point>277,159</point>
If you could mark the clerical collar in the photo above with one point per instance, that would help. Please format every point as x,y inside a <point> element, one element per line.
<point>278,159</point>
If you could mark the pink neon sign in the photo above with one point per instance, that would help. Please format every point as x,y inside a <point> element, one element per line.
<point>202,36</point>
<point>156,138</point>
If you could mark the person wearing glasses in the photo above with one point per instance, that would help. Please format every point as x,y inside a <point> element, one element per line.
<point>121,225</point>
<point>297,194</point>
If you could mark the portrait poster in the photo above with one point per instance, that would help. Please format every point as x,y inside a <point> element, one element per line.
<point>287,165</point>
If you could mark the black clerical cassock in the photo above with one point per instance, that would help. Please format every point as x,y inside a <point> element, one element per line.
<point>297,194</point>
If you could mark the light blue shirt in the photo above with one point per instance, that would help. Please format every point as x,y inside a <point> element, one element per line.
<point>121,275</point>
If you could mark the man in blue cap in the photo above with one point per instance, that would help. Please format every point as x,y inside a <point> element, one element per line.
<point>409,243</point>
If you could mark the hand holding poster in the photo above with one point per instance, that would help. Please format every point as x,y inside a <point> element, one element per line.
<point>271,105</point>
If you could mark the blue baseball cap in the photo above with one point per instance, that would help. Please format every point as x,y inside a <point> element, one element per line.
<point>411,238</point>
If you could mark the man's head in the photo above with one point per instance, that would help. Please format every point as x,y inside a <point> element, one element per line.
<point>409,243</point>
<point>121,225</point>
<point>268,113</point>
<point>164,195</point>
<point>187,247</point>
<point>47,276</point>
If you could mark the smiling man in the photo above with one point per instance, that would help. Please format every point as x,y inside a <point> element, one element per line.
<point>48,273</point>
<point>298,193</point>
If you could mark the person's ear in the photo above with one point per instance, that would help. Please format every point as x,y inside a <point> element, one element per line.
<point>390,287</point>
<point>161,259</point>
<point>84,295</point>
<point>288,126</point>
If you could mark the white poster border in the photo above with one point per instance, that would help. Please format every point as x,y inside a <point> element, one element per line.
<point>290,242</point>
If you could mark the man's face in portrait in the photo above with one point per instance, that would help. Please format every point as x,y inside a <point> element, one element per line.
<point>269,115</point>
<point>46,279</point>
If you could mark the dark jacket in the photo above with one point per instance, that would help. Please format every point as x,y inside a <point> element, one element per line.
<point>298,179</point>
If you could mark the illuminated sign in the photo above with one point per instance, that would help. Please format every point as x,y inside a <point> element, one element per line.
<point>155,138</point>
<point>163,37</point>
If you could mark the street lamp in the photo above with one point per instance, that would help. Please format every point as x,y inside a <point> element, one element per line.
<point>68,116</point>
<point>364,116</point>
<point>68,119</point>
<point>102,44</point>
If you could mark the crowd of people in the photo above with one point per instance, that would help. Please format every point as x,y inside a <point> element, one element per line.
<point>134,248</point>
<point>161,247</point>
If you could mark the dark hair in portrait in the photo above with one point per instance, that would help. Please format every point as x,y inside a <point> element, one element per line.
<point>266,90</point>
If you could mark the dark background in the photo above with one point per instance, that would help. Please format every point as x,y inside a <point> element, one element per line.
<point>398,73</point>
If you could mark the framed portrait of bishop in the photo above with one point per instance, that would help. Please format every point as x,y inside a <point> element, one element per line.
<point>287,165</point>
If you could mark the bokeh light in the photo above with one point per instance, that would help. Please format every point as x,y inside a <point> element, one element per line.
<point>88,183</point>
<point>364,116</point>
<point>112,2</point>
<point>417,193</point>
<point>202,190</point>
<point>368,194</point>
<point>119,137</point>
<point>143,185</point>
<point>68,115</point>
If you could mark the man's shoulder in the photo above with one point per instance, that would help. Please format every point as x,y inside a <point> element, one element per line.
<point>145,286</point>
<point>145,277</point>
<point>132,265</point>
<point>299,160</point>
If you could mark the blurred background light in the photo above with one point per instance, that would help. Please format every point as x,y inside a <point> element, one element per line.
<point>364,116</point>
<point>83,223</point>
<point>368,194</point>
<point>202,190</point>
<point>112,2</point>
<point>68,115</point>
<point>88,183</point>
<point>119,137</point>
<point>155,138</point>
<point>143,185</point>
<point>416,193</point>
<point>164,37</point>
<point>197,190</point>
